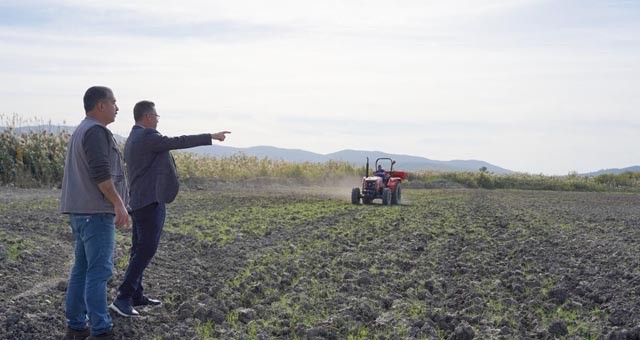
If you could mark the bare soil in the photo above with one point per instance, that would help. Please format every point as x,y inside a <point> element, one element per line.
<point>276,264</point>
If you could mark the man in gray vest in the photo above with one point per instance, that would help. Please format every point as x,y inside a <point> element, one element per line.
<point>154,181</point>
<point>94,194</point>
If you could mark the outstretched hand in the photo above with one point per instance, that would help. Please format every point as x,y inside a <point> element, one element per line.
<point>220,135</point>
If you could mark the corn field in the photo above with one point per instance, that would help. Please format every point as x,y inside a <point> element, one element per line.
<point>30,159</point>
<point>244,167</point>
<point>36,159</point>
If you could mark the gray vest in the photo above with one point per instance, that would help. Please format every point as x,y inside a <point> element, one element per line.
<point>79,194</point>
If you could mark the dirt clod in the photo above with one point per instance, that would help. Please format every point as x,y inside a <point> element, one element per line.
<point>558,328</point>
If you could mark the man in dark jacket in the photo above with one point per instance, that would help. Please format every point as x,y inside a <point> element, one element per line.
<point>153,180</point>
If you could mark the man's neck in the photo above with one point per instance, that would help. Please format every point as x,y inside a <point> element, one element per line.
<point>94,115</point>
<point>142,124</point>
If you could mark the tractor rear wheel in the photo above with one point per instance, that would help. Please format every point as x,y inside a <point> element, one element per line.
<point>396,196</point>
<point>386,196</point>
<point>355,196</point>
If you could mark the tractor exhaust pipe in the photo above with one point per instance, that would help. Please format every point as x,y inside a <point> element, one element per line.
<point>366,169</point>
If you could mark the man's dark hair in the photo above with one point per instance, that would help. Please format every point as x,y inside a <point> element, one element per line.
<point>93,95</point>
<point>141,108</point>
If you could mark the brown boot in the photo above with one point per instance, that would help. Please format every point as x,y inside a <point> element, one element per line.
<point>104,336</point>
<point>73,334</point>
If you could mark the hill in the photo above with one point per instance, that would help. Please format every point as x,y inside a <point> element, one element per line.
<point>37,128</point>
<point>357,157</point>
<point>613,171</point>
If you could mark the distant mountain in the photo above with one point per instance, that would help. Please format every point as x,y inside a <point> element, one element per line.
<point>357,157</point>
<point>37,128</point>
<point>414,162</point>
<point>612,171</point>
<point>288,155</point>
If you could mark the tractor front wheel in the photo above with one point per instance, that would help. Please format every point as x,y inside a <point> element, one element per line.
<point>355,196</point>
<point>396,196</point>
<point>386,196</point>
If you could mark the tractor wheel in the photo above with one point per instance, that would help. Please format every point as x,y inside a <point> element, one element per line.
<point>396,196</point>
<point>386,196</point>
<point>355,196</point>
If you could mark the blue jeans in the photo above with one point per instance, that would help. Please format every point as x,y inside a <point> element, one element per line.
<point>146,231</point>
<point>87,287</point>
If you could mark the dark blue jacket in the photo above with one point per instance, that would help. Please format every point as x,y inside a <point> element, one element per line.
<point>380,173</point>
<point>151,171</point>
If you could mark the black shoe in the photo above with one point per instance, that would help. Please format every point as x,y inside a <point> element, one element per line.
<point>145,301</point>
<point>74,334</point>
<point>104,336</point>
<point>124,308</point>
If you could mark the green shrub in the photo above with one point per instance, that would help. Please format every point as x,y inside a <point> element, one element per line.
<point>629,181</point>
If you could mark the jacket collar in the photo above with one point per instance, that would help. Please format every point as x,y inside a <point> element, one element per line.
<point>140,127</point>
<point>93,120</point>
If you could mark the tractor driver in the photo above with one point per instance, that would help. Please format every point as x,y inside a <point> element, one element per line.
<point>380,172</point>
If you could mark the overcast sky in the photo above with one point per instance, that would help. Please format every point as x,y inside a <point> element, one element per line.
<point>530,85</point>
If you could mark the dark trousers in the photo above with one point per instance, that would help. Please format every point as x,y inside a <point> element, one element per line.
<point>146,231</point>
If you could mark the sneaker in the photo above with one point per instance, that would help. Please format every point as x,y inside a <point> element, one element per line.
<point>74,334</point>
<point>104,336</point>
<point>124,308</point>
<point>146,301</point>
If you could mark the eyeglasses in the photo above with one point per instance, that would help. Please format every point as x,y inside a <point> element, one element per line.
<point>155,115</point>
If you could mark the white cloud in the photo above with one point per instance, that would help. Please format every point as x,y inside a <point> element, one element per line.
<point>501,71</point>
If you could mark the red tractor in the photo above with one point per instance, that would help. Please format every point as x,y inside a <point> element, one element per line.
<point>383,184</point>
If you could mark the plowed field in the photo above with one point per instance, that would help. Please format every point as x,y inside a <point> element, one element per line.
<point>447,264</point>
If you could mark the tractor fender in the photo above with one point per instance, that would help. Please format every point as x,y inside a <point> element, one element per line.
<point>392,184</point>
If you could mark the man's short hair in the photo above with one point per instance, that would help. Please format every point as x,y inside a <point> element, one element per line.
<point>141,108</point>
<point>93,95</point>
